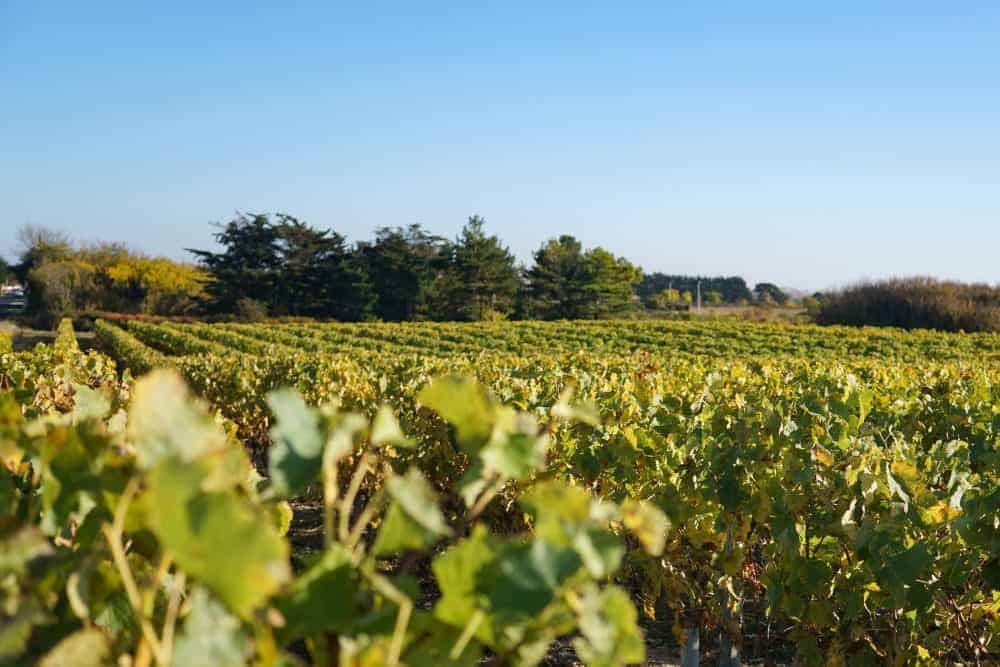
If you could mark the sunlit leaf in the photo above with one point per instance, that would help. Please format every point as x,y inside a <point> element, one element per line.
<point>219,538</point>
<point>165,421</point>
<point>296,451</point>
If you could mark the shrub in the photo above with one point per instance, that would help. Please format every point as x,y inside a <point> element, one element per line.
<point>914,303</point>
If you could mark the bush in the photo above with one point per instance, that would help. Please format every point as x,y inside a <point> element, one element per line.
<point>492,315</point>
<point>914,303</point>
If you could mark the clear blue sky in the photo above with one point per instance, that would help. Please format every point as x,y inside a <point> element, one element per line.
<point>809,144</point>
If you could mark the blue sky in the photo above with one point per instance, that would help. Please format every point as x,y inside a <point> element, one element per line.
<point>809,144</point>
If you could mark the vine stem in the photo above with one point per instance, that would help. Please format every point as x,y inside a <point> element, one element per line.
<point>405,604</point>
<point>466,636</point>
<point>170,622</point>
<point>143,657</point>
<point>331,490</point>
<point>149,599</point>
<point>347,504</point>
<point>484,500</point>
<point>113,535</point>
<point>729,651</point>
<point>373,506</point>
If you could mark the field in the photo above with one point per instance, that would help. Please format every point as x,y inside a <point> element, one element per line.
<point>784,492</point>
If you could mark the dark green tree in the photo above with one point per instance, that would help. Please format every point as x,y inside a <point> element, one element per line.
<point>567,282</point>
<point>320,275</point>
<point>610,284</point>
<point>483,277</point>
<point>405,267</point>
<point>768,293</point>
<point>249,266</point>
<point>557,282</point>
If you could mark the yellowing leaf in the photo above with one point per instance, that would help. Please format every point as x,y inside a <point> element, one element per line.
<point>165,421</point>
<point>649,524</point>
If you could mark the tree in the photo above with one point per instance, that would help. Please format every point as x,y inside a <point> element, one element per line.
<point>713,298</point>
<point>483,276</point>
<point>769,293</point>
<point>249,265</point>
<point>558,280</point>
<point>320,276</point>
<point>404,266</point>
<point>57,288</point>
<point>39,245</point>
<point>284,266</point>
<point>568,283</point>
<point>610,283</point>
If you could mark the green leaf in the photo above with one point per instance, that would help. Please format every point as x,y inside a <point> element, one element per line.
<point>515,456</point>
<point>731,494</point>
<point>609,628</point>
<point>458,573</point>
<point>283,516</point>
<point>414,520</point>
<point>211,636</point>
<point>464,404</point>
<point>895,488</point>
<point>322,599</point>
<point>115,616</point>
<point>296,451</point>
<point>220,538</point>
<point>399,533</point>
<point>21,548</point>
<point>648,523</point>
<point>16,628</point>
<point>906,567</point>
<point>864,404</point>
<point>385,430</point>
<point>559,510</point>
<point>71,479</point>
<point>600,550</point>
<point>430,644</point>
<point>340,441</point>
<point>165,421</point>
<point>418,499</point>
<point>84,648</point>
<point>527,577</point>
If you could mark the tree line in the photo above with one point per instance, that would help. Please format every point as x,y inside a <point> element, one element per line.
<point>657,288</point>
<point>278,265</point>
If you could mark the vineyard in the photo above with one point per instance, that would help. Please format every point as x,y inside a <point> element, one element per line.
<point>429,493</point>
